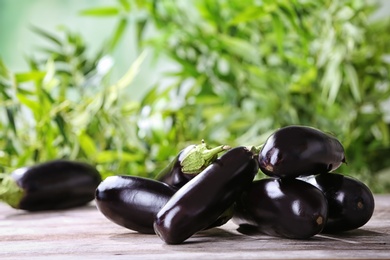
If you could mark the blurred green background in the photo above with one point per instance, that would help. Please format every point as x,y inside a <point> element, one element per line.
<point>127,84</point>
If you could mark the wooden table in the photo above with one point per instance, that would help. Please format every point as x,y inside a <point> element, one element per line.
<point>84,233</point>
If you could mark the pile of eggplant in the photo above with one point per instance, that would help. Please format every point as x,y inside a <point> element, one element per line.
<point>203,188</point>
<point>301,197</point>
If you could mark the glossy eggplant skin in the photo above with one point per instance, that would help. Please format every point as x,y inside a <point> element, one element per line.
<point>351,203</point>
<point>203,199</point>
<point>132,202</point>
<point>173,174</point>
<point>295,151</point>
<point>57,184</point>
<point>287,208</point>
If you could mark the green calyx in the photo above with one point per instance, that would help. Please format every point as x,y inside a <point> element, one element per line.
<point>199,157</point>
<point>10,192</point>
<point>255,149</point>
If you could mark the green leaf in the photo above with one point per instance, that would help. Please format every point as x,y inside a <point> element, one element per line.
<point>239,47</point>
<point>279,32</point>
<point>115,38</point>
<point>25,156</point>
<point>33,105</point>
<point>291,15</point>
<point>125,4</point>
<point>112,156</point>
<point>4,72</point>
<point>353,81</point>
<point>32,63</point>
<point>87,144</point>
<point>114,91</point>
<point>332,78</point>
<point>101,11</point>
<point>47,35</point>
<point>61,124</point>
<point>4,95</point>
<point>249,14</point>
<point>30,76</point>
<point>335,84</point>
<point>143,3</point>
<point>385,132</point>
<point>11,119</point>
<point>140,29</point>
<point>25,92</point>
<point>345,13</point>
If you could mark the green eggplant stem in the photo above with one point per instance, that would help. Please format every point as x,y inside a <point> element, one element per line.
<point>200,157</point>
<point>10,192</point>
<point>255,149</point>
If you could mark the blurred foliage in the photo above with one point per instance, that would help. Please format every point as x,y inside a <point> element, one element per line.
<point>64,108</point>
<point>244,69</point>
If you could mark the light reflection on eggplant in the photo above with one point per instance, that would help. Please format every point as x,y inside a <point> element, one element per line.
<point>300,151</point>
<point>351,203</point>
<point>288,208</point>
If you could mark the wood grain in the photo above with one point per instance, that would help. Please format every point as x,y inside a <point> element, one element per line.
<point>84,233</point>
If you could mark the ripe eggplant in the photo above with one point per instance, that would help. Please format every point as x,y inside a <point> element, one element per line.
<point>53,185</point>
<point>351,203</point>
<point>207,196</point>
<point>287,208</point>
<point>188,163</point>
<point>132,202</point>
<point>300,151</point>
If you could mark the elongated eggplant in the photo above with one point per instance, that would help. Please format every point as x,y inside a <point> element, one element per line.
<point>132,202</point>
<point>300,151</point>
<point>351,203</point>
<point>188,163</point>
<point>57,184</point>
<point>204,198</point>
<point>287,208</point>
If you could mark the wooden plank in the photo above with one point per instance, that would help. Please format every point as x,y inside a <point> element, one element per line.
<point>85,233</point>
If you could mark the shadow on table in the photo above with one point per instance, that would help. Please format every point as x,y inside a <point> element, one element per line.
<point>204,236</point>
<point>345,234</point>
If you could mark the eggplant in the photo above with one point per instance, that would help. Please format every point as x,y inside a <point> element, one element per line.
<point>351,203</point>
<point>52,185</point>
<point>202,200</point>
<point>295,151</point>
<point>132,202</point>
<point>288,208</point>
<point>188,163</point>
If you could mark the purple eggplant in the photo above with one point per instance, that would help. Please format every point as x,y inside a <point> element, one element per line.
<point>300,151</point>
<point>351,203</point>
<point>132,202</point>
<point>287,208</point>
<point>53,185</point>
<point>188,163</point>
<point>206,197</point>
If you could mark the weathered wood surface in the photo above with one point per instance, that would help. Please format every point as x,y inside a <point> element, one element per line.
<point>84,233</point>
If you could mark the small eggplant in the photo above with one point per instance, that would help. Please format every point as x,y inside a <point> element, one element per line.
<point>132,202</point>
<point>351,203</point>
<point>287,208</point>
<point>188,163</point>
<point>300,151</point>
<point>206,197</point>
<point>53,185</point>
